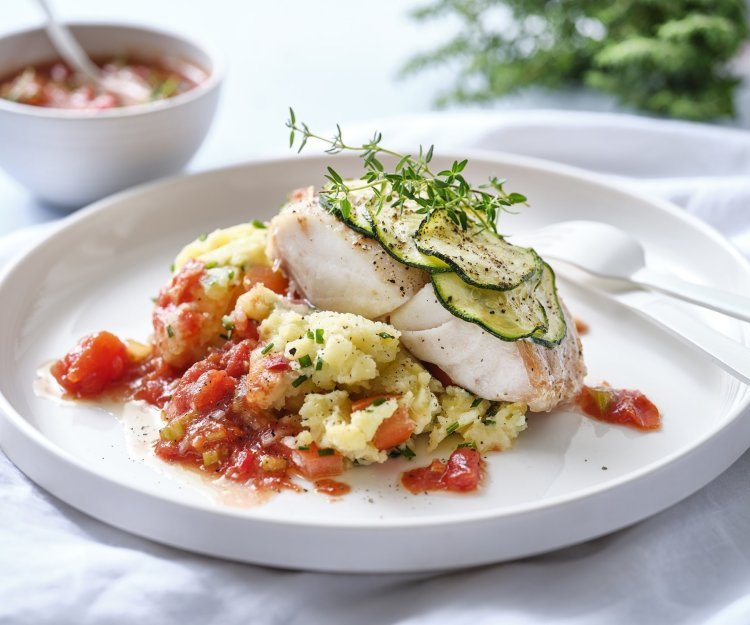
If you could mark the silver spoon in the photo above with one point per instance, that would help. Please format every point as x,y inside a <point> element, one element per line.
<point>130,89</point>
<point>607,252</point>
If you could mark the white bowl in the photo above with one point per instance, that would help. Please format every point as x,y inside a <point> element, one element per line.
<point>70,158</point>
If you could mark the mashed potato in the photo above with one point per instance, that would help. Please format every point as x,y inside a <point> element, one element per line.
<point>490,426</point>
<point>337,359</point>
<point>406,377</point>
<point>332,424</point>
<point>238,246</point>
<point>343,349</point>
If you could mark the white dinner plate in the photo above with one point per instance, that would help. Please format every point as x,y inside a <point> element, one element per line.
<point>568,479</point>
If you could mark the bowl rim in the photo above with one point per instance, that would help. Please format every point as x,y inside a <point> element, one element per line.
<point>215,76</point>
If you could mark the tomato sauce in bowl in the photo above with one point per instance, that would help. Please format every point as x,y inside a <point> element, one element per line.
<point>55,85</point>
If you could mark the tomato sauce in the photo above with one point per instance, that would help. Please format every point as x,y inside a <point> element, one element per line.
<point>210,423</point>
<point>151,380</point>
<point>462,473</point>
<point>619,406</point>
<point>208,429</point>
<point>332,488</point>
<point>55,85</point>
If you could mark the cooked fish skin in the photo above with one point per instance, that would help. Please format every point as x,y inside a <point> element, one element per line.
<point>523,371</point>
<point>335,267</point>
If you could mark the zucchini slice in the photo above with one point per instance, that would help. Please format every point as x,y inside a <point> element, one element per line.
<point>509,315</point>
<point>395,228</point>
<point>546,293</point>
<point>359,217</point>
<point>480,257</point>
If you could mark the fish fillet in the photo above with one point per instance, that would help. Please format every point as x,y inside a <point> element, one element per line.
<point>521,370</point>
<point>337,268</point>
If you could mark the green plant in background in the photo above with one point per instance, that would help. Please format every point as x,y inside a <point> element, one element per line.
<point>663,56</point>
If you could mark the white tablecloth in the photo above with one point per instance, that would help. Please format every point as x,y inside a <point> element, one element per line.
<point>690,564</point>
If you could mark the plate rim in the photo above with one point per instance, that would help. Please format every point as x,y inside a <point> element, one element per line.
<point>23,427</point>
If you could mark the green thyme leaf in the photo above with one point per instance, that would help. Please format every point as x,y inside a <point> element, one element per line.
<point>411,180</point>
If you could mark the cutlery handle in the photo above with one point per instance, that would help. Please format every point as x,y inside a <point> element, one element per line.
<point>726,302</point>
<point>730,355</point>
<point>67,45</point>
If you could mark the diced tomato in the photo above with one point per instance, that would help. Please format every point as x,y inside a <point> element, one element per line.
<point>243,464</point>
<point>182,286</point>
<point>462,473</point>
<point>620,406</point>
<point>244,328</point>
<point>154,392</point>
<point>236,359</point>
<point>171,452</point>
<point>201,389</point>
<point>182,398</point>
<point>361,404</point>
<point>153,381</point>
<point>312,465</point>
<point>91,366</point>
<point>464,470</point>
<point>213,388</point>
<point>394,430</point>
<point>268,277</point>
<point>277,362</point>
<point>424,478</point>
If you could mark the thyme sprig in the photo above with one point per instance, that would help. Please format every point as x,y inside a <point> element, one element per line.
<point>412,180</point>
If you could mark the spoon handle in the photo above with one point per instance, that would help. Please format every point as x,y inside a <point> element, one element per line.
<point>67,45</point>
<point>726,302</point>
<point>730,355</point>
<point>670,317</point>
